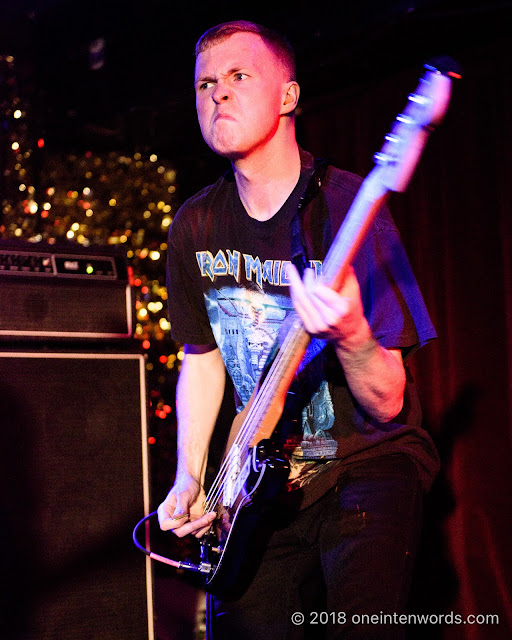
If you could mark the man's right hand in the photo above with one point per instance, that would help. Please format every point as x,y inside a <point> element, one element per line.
<point>182,510</point>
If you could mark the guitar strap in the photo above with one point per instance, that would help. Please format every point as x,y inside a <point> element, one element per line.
<point>299,252</point>
<point>318,232</point>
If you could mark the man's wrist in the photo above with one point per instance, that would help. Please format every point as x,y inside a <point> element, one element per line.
<point>360,343</point>
<point>185,472</point>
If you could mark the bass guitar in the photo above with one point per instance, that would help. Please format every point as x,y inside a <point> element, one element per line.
<point>253,470</point>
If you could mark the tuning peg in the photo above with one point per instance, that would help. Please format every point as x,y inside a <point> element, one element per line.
<point>391,137</point>
<point>419,99</point>
<point>383,159</point>
<point>445,65</point>
<point>405,119</point>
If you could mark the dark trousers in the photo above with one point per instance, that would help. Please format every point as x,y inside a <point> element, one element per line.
<point>342,565</point>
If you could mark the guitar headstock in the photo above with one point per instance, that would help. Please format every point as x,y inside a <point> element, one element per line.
<point>404,144</point>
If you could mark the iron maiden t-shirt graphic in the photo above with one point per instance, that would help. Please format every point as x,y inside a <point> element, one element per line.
<point>246,324</point>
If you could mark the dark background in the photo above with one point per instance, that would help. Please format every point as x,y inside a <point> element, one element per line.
<point>357,62</point>
<point>142,96</point>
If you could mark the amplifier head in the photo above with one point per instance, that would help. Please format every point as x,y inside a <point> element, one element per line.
<point>64,292</point>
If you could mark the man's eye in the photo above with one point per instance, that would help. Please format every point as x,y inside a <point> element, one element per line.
<point>240,76</point>
<point>205,85</point>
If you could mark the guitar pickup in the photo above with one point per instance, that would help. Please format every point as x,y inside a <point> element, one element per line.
<point>236,476</point>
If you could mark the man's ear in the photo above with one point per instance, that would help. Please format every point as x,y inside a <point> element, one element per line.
<point>291,98</point>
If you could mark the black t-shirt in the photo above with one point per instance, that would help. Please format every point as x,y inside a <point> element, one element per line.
<point>227,283</point>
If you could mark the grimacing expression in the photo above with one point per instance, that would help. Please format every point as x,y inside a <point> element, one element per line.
<point>240,89</point>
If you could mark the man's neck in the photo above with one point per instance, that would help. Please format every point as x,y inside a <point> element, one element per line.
<point>266,179</point>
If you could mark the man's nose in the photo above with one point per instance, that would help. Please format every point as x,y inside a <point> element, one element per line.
<point>221,93</point>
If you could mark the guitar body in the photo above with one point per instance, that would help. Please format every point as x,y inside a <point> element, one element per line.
<point>253,476</point>
<point>225,546</point>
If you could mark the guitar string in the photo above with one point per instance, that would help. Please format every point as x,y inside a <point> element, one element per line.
<point>255,414</point>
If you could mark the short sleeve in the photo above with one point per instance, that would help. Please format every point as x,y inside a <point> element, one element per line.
<point>187,311</point>
<point>393,304</point>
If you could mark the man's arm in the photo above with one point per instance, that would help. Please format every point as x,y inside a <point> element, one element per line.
<point>375,376</point>
<point>199,396</point>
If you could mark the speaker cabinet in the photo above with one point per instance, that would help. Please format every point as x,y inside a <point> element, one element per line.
<point>74,481</point>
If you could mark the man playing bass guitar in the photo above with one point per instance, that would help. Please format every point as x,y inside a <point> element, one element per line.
<point>340,537</point>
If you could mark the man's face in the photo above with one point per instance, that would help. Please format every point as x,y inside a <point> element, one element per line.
<point>240,87</point>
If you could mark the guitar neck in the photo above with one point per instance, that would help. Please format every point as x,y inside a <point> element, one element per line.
<point>271,395</point>
<point>364,208</point>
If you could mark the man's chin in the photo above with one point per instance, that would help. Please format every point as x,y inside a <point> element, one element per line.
<point>227,152</point>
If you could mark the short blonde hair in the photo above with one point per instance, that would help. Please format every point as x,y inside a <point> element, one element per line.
<point>273,39</point>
